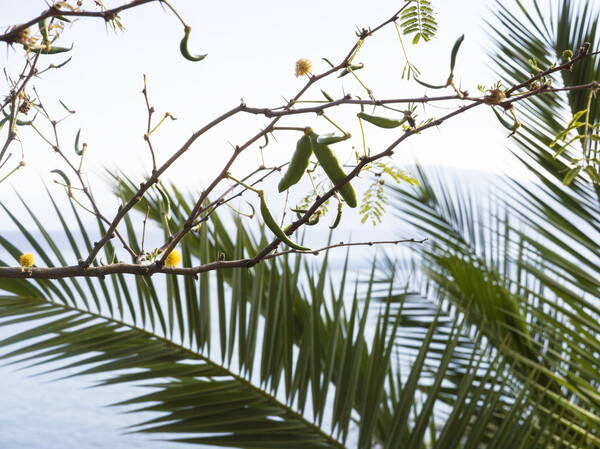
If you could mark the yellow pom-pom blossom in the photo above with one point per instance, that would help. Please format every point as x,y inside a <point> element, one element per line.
<point>173,259</point>
<point>303,67</point>
<point>26,260</point>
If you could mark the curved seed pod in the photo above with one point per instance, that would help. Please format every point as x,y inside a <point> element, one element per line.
<point>183,47</point>
<point>65,106</point>
<point>266,142</point>
<point>251,216</point>
<point>338,217</point>
<point>273,226</point>
<point>50,50</point>
<point>328,62</point>
<point>431,86</point>
<point>2,122</point>
<point>166,201</point>
<point>63,176</point>
<point>455,52</point>
<point>362,106</point>
<point>502,120</point>
<point>352,67</point>
<point>329,139</point>
<point>299,212</point>
<point>63,18</point>
<point>298,164</point>
<point>43,26</point>
<point>382,122</point>
<point>62,64</point>
<point>333,169</point>
<point>18,122</point>
<point>77,150</point>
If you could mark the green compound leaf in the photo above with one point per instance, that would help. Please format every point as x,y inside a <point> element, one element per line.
<point>418,20</point>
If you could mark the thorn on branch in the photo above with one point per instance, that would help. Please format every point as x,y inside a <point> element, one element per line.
<point>585,49</point>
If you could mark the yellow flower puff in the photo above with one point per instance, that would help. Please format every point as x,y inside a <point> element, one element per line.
<point>303,67</point>
<point>173,259</point>
<point>26,260</point>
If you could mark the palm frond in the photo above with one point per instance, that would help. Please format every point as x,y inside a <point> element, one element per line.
<point>476,261</point>
<point>261,357</point>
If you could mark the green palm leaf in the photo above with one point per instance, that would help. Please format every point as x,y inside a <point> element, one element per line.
<point>282,365</point>
<point>528,270</point>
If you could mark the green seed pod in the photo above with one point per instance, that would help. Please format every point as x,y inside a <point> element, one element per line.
<point>183,47</point>
<point>166,202</point>
<point>50,50</point>
<point>362,106</point>
<point>502,120</point>
<point>63,176</point>
<point>62,64</point>
<point>338,217</point>
<point>352,67</point>
<point>326,95</point>
<point>299,212</point>
<point>382,122</point>
<point>77,149</point>
<point>328,62</point>
<point>273,226</point>
<point>266,142</point>
<point>328,139</point>
<point>333,169</point>
<point>455,52</point>
<point>431,86</point>
<point>43,26</point>
<point>18,122</point>
<point>298,164</point>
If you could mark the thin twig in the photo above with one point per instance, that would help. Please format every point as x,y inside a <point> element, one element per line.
<point>147,135</point>
<point>151,269</point>
<point>189,223</point>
